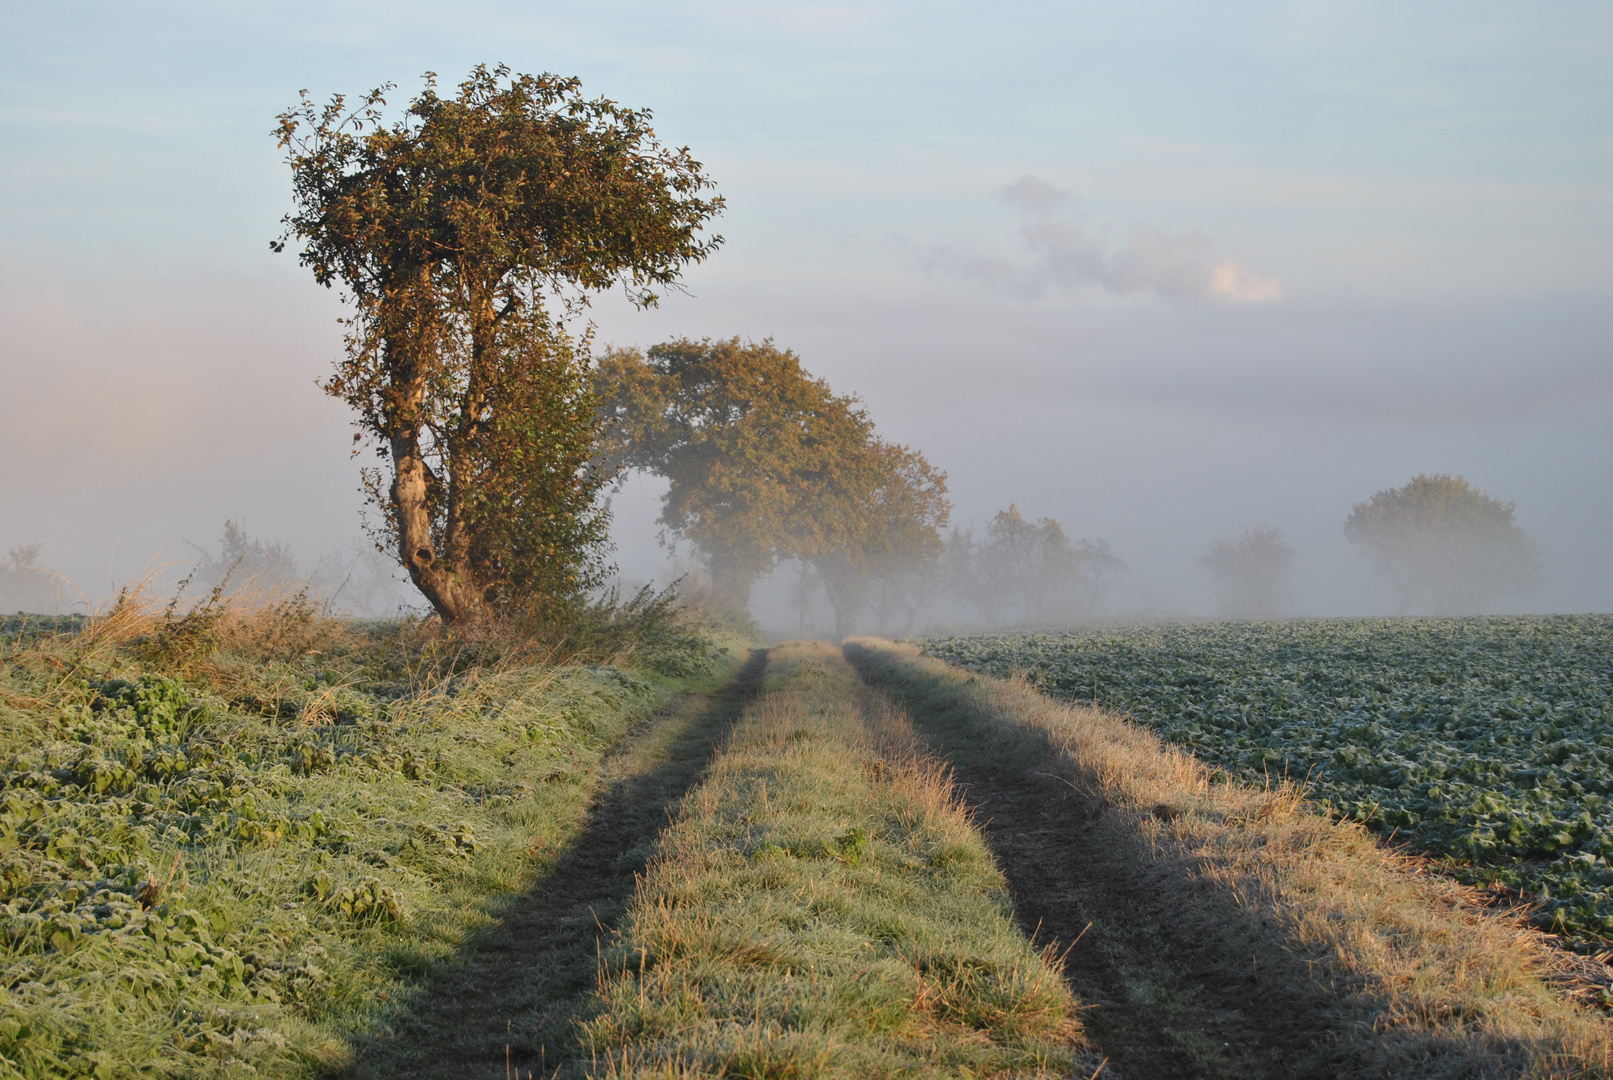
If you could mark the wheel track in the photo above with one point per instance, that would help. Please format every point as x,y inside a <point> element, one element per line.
<point>1168,1003</point>
<point>513,995</point>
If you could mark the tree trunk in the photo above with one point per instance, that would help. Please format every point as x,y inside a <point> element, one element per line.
<point>444,578</point>
<point>451,589</point>
<point>845,588</point>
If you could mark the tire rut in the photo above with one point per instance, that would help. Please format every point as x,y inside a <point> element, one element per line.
<point>512,998</point>
<point>1168,1000</point>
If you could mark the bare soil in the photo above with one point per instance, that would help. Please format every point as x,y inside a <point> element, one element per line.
<point>509,1003</point>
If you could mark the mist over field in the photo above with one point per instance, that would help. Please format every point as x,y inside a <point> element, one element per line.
<point>1157,273</point>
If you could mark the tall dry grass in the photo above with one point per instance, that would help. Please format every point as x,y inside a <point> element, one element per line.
<point>1422,977</point>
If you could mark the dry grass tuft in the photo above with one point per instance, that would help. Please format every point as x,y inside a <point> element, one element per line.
<point>1421,976</point>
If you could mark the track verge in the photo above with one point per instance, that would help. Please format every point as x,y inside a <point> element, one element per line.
<point>1228,930</point>
<point>510,999</point>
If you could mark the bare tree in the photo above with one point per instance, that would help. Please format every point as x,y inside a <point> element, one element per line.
<point>25,586</point>
<point>243,561</point>
<point>1029,571</point>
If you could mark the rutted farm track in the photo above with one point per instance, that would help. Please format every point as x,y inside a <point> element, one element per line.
<point>514,998</point>
<point>774,883</point>
<point>1166,998</point>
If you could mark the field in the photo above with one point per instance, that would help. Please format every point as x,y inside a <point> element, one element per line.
<point>263,842</point>
<point>1487,742</point>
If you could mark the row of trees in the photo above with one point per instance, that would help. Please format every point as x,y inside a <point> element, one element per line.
<point>766,465</point>
<point>361,581</point>
<point>1441,544</point>
<point>468,231</point>
<point>1029,571</point>
<point>465,233</point>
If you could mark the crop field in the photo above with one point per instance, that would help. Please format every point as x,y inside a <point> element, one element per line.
<point>1485,741</point>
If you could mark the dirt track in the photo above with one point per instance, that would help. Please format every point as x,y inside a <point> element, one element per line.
<point>519,985</point>
<point>1166,1006</point>
<point>1168,1002</point>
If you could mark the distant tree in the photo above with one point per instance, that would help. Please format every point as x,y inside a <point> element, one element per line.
<point>360,581</point>
<point>766,464</point>
<point>243,562</point>
<point>880,535</point>
<point>1445,546</point>
<point>1033,563</point>
<point>26,586</point>
<point>449,228</point>
<point>1251,573</point>
<point>1097,570</point>
<point>1030,571</point>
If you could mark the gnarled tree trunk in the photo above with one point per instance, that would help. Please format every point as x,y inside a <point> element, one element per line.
<point>444,577</point>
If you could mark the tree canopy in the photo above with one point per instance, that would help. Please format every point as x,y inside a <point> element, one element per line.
<point>26,586</point>
<point>451,229</point>
<point>766,463</point>
<point>1445,546</point>
<point>1251,573</point>
<point>879,535</point>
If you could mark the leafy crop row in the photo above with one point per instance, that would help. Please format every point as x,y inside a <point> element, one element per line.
<point>1486,740</point>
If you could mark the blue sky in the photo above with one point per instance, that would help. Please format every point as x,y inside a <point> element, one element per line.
<point>1157,270</point>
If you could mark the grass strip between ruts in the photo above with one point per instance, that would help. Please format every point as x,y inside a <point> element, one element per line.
<point>823,907</point>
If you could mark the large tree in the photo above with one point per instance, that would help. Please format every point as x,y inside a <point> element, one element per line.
<point>766,463</point>
<point>462,232</point>
<point>1251,573</point>
<point>878,535</point>
<point>1444,546</point>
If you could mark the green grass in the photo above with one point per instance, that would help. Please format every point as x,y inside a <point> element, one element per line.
<point>221,861</point>
<point>1486,741</point>
<point>823,907</point>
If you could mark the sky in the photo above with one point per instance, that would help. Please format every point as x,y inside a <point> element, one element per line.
<point>1159,271</point>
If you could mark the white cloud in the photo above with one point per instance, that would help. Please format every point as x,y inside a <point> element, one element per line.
<point>1235,283</point>
<point>1059,254</point>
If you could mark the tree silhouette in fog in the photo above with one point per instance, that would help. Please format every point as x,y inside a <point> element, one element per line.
<point>766,463</point>
<point>25,586</point>
<point>244,562</point>
<point>1029,571</point>
<point>1444,546</point>
<point>1251,573</point>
